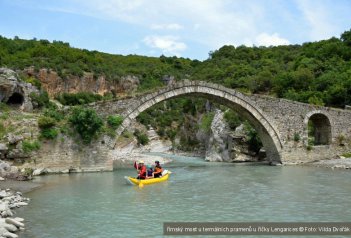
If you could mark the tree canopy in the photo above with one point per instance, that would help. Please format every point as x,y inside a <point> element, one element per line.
<point>314,72</point>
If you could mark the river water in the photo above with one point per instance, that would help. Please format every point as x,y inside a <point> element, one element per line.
<point>102,205</point>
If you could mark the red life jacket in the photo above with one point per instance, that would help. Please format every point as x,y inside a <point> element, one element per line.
<point>142,172</point>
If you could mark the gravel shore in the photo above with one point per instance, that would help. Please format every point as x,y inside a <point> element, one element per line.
<point>337,163</point>
<point>21,186</point>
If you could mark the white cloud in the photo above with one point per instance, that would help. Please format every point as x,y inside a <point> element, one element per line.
<point>318,18</point>
<point>265,39</point>
<point>167,44</point>
<point>172,26</point>
<point>209,24</point>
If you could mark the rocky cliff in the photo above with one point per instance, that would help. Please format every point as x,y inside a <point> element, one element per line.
<point>55,84</point>
<point>15,92</point>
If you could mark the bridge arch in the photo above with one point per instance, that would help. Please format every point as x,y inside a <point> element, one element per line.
<point>228,97</point>
<point>322,129</point>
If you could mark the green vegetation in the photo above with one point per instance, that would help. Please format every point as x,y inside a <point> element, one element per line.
<point>45,122</point>
<point>41,100</point>
<point>206,122</point>
<point>35,82</point>
<point>317,73</point>
<point>29,146</point>
<point>232,118</point>
<point>80,98</point>
<point>253,139</point>
<point>347,155</point>
<point>297,137</point>
<point>49,133</point>
<point>141,137</point>
<point>114,121</point>
<point>341,139</point>
<point>86,122</point>
<point>2,129</point>
<point>47,127</point>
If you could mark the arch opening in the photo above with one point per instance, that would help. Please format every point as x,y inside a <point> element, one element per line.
<point>232,99</point>
<point>16,99</point>
<point>319,130</point>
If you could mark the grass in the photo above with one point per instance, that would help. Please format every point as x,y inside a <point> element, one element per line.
<point>29,146</point>
<point>347,155</point>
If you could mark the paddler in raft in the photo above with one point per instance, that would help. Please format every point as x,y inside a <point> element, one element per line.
<point>141,168</point>
<point>157,170</point>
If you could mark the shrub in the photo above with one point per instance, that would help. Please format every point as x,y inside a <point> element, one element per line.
<point>232,119</point>
<point>341,139</point>
<point>4,107</point>
<point>29,146</point>
<point>142,138</point>
<point>45,122</point>
<point>78,98</point>
<point>127,134</point>
<point>253,139</point>
<point>53,113</point>
<point>297,137</point>
<point>86,122</point>
<point>35,82</point>
<point>2,130</point>
<point>41,99</point>
<point>347,155</point>
<point>206,122</point>
<point>49,133</point>
<point>114,121</point>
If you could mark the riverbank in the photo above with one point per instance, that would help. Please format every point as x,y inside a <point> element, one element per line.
<point>21,186</point>
<point>9,201</point>
<point>336,163</point>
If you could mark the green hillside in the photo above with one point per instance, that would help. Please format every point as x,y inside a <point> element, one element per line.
<point>317,73</point>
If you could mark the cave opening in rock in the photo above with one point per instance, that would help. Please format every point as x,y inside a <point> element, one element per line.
<point>16,99</point>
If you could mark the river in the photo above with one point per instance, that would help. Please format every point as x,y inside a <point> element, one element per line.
<point>102,205</point>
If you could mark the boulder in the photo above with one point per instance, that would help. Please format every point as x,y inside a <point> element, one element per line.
<point>4,166</point>
<point>14,139</point>
<point>10,235</point>
<point>3,194</point>
<point>14,222</point>
<point>3,147</point>
<point>40,171</point>
<point>10,227</point>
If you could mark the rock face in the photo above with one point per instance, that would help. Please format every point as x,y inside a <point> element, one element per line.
<point>127,151</point>
<point>224,145</point>
<point>15,92</point>
<point>54,84</point>
<point>217,147</point>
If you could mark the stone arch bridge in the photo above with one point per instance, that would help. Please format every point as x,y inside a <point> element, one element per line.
<point>281,123</point>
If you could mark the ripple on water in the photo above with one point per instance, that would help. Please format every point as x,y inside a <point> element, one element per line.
<point>102,205</point>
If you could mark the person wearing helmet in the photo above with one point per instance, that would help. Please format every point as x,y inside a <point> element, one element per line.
<point>157,170</point>
<point>141,170</point>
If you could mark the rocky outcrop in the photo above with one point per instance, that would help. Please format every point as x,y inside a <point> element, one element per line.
<point>15,92</point>
<point>9,201</point>
<point>127,150</point>
<point>224,145</point>
<point>54,84</point>
<point>217,147</point>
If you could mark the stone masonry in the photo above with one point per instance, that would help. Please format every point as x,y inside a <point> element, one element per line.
<point>281,123</point>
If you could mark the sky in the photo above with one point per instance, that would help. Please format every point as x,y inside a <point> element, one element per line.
<point>184,28</point>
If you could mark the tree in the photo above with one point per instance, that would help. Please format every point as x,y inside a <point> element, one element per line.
<point>86,122</point>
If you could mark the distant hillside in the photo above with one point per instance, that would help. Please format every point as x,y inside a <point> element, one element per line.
<point>316,73</point>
